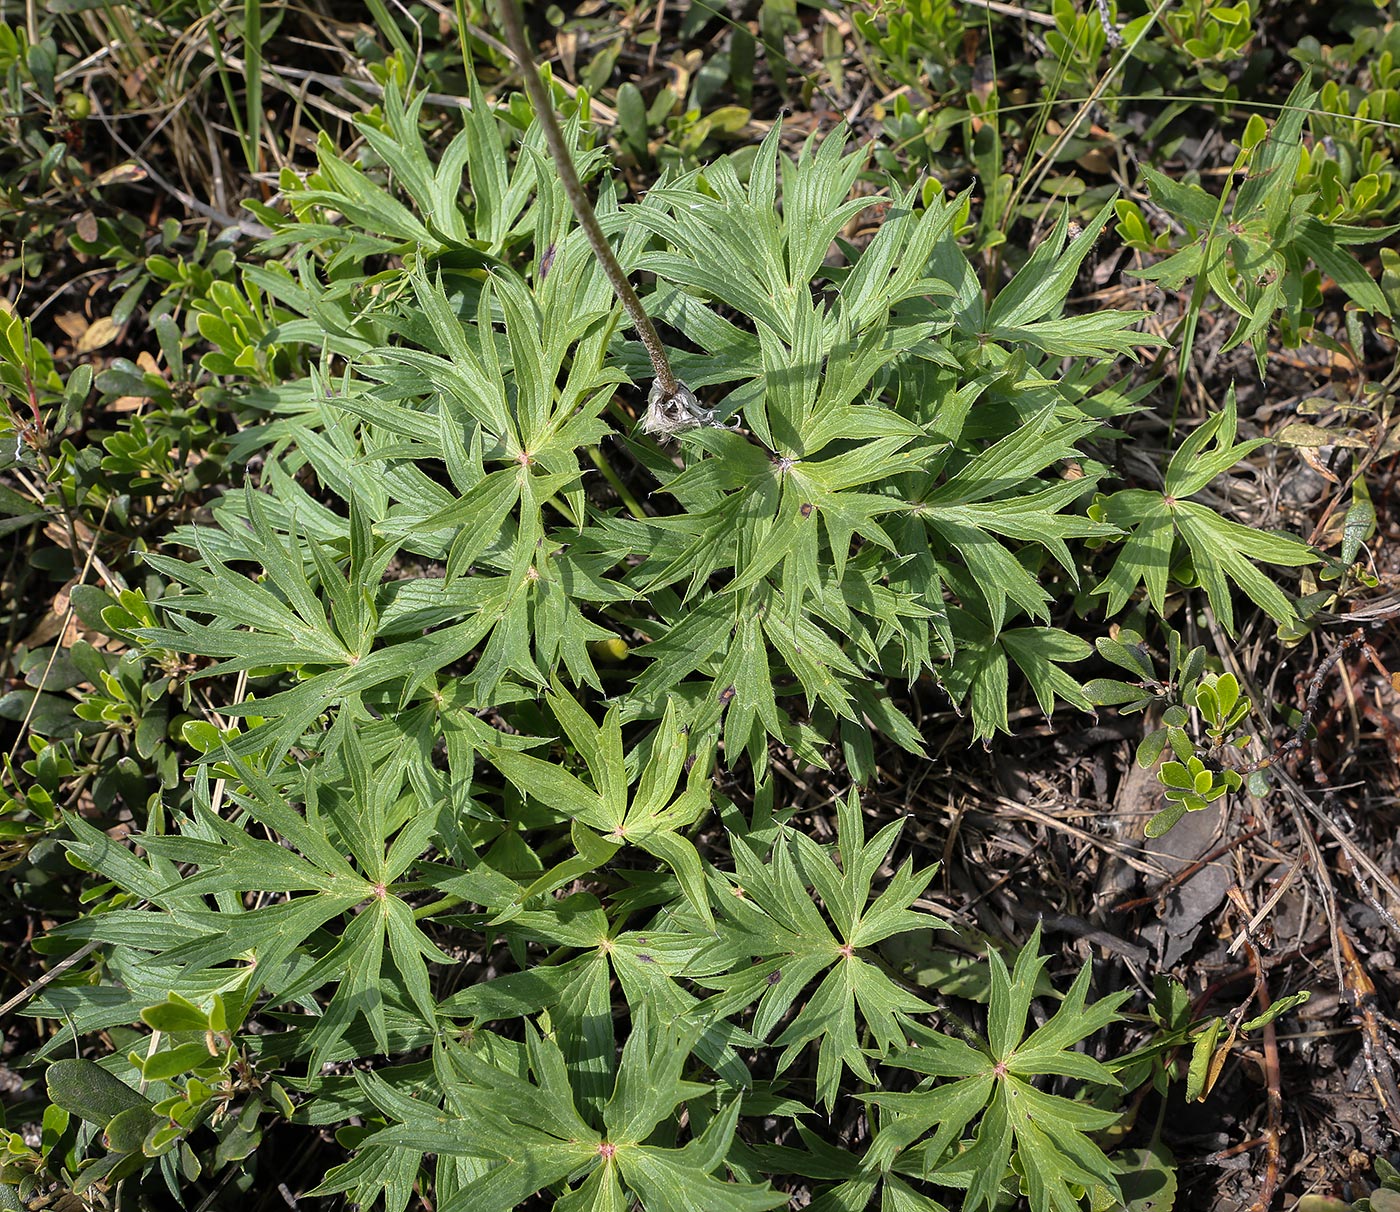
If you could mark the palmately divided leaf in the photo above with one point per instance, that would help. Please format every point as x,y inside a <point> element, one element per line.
<point>993,1083</point>
<point>532,1136</point>
<point>767,911</point>
<point>1223,553</point>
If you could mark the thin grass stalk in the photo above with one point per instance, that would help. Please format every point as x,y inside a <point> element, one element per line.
<point>252,56</point>
<point>578,199</point>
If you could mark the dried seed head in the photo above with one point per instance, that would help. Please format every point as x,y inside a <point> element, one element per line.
<point>668,415</point>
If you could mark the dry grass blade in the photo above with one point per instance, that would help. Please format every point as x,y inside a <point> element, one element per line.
<point>1360,992</point>
<point>1252,928</point>
<point>1273,1084</point>
<point>1126,854</point>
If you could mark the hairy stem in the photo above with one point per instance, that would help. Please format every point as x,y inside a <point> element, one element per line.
<point>583,209</point>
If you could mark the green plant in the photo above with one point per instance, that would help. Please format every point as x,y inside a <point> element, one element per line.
<point>29,815</point>
<point>919,42</point>
<point>484,843</point>
<point>1209,35</point>
<point>993,1082</point>
<point>1350,163</point>
<point>1189,1048</point>
<point>99,715</point>
<point>1163,525</point>
<point>184,268</point>
<point>485,671</point>
<point>1256,259</point>
<point>1194,778</point>
<point>42,129</point>
<point>945,497</point>
<point>100,1129</point>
